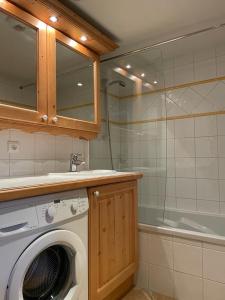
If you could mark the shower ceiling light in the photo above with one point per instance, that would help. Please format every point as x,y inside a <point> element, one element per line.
<point>128,66</point>
<point>79,84</point>
<point>53,19</point>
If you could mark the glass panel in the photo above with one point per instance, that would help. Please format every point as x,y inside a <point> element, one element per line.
<point>75,84</point>
<point>133,136</point>
<point>17,63</point>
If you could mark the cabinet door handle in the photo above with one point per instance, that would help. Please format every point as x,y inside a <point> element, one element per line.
<point>44,118</point>
<point>96,194</point>
<point>54,120</point>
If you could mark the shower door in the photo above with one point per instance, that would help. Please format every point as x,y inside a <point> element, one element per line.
<point>134,129</point>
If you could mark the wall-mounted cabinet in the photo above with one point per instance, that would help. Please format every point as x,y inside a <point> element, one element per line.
<point>48,80</point>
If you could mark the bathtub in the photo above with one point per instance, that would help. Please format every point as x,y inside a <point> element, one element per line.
<point>182,254</point>
<point>191,224</point>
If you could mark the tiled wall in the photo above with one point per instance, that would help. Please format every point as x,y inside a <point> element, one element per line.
<point>39,153</point>
<point>181,268</point>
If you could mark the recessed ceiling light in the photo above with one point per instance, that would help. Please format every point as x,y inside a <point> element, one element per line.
<point>142,75</point>
<point>79,84</point>
<point>53,19</point>
<point>83,38</point>
<point>155,81</point>
<point>146,84</point>
<point>128,66</point>
<point>72,43</point>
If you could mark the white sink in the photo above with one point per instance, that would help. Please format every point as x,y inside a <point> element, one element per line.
<point>90,173</point>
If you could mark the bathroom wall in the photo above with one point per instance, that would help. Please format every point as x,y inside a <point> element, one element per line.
<point>181,268</point>
<point>38,153</point>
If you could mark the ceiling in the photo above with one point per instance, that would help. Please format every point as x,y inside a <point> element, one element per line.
<point>136,23</point>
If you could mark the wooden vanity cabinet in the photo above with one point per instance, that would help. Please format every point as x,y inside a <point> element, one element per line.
<point>112,240</point>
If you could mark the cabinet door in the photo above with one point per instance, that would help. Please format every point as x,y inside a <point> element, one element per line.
<point>23,79</point>
<point>112,237</point>
<point>74,84</point>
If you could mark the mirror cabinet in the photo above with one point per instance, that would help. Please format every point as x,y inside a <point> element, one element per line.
<point>48,80</point>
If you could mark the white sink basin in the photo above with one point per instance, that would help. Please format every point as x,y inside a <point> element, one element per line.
<point>91,173</point>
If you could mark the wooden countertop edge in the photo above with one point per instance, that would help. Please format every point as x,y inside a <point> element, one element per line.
<point>42,189</point>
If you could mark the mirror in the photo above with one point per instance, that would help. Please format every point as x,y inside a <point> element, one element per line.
<point>18,60</point>
<point>75,84</point>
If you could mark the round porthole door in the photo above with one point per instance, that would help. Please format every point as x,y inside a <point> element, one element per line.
<point>53,267</point>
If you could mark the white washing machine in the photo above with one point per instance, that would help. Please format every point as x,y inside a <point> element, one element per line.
<point>44,246</point>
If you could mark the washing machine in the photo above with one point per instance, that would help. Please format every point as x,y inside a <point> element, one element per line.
<point>44,247</point>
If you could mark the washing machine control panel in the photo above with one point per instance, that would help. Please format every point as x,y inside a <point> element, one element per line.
<point>62,206</point>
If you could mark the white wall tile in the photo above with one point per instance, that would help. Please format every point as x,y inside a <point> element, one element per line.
<point>161,280</point>
<point>185,147</point>
<point>221,146</point>
<point>207,168</point>
<point>21,167</point>
<point>44,146</point>
<point>185,167</point>
<point>144,242</point>
<point>187,287</point>
<point>4,138</point>
<point>142,276</point>
<point>186,204</point>
<point>205,126</point>
<point>207,189</point>
<point>4,168</point>
<point>26,141</point>
<point>208,206</point>
<point>186,188</point>
<point>160,252</point>
<point>192,264</point>
<point>221,162</point>
<point>184,128</point>
<point>221,124</point>
<point>206,147</point>
<point>214,265</point>
<point>64,147</point>
<point>44,166</point>
<point>214,290</point>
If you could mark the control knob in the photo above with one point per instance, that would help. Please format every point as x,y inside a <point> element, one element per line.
<point>51,212</point>
<point>74,208</point>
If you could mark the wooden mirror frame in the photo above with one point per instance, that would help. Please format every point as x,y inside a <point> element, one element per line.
<point>9,112</point>
<point>68,122</point>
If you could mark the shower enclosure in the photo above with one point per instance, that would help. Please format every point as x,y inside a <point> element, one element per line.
<point>164,115</point>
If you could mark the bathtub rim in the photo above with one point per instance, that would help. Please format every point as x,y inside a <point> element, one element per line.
<point>182,233</point>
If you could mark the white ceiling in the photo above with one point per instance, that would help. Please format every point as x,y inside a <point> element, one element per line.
<point>135,23</point>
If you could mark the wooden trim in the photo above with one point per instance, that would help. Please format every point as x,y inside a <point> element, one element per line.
<point>19,113</point>
<point>44,189</point>
<point>97,102</point>
<point>66,122</point>
<point>188,116</point>
<point>69,23</point>
<point>171,88</point>
<point>77,47</point>
<point>51,72</point>
<point>8,123</point>
<point>122,290</point>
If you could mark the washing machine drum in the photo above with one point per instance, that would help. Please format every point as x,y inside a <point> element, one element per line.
<point>53,267</point>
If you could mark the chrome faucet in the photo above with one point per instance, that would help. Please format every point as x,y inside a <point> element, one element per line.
<point>75,161</point>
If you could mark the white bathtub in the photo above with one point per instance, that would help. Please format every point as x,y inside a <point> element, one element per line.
<point>184,259</point>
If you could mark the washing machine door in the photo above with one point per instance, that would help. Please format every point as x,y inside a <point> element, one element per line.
<point>53,267</point>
